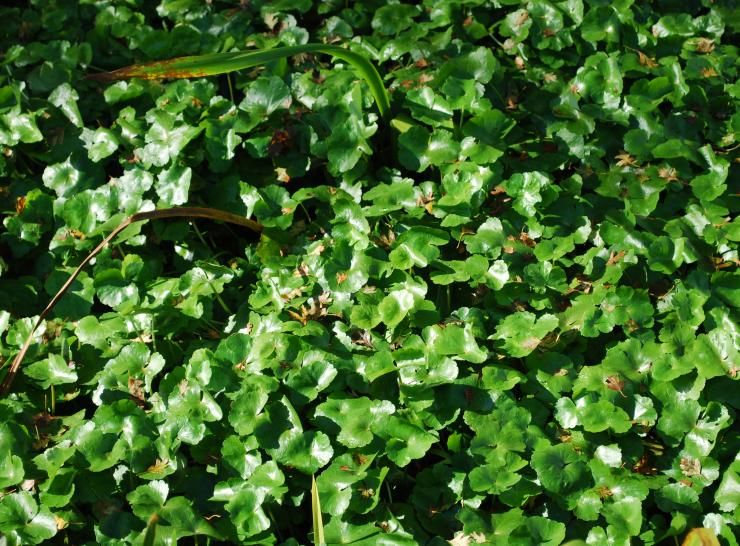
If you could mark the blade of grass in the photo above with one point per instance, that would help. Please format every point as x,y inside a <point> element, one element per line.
<point>221,63</point>
<point>177,212</point>
<point>318,525</point>
<point>151,530</point>
<point>701,536</point>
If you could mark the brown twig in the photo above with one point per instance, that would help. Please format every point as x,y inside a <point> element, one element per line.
<point>177,212</point>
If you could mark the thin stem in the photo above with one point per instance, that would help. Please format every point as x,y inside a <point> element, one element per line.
<point>218,296</point>
<point>725,150</point>
<point>274,523</point>
<point>154,335</point>
<point>490,34</point>
<point>308,216</point>
<point>231,89</point>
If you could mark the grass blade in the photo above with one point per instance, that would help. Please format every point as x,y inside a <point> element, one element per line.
<point>177,212</point>
<point>221,63</point>
<point>151,530</point>
<point>701,536</point>
<point>318,524</point>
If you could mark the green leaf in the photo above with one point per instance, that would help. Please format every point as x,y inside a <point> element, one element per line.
<point>666,254</point>
<point>391,20</point>
<point>165,139</point>
<point>100,143</point>
<point>711,185</point>
<point>264,96</point>
<point>539,530</point>
<point>559,468</point>
<point>354,418</point>
<point>115,291</point>
<point>65,98</point>
<point>148,499</point>
<point>728,492</point>
<point>522,332</point>
<point>417,247</point>
<point>419,149</point>
<point>428,107</point>
<point>517,24</point>
<point>17,127</point>
<point>64,178</point>
<point>713,353</point>
<point>509,318</point>
<point>173,185</point>
<point>601,415</point>
<point>490,127</point>
<point>305,451</point>
<point>677,496</point>
<point>498,474</point>
<point>488,239</point>
<point>405,441</point>
<point>387,198</point>
<point>240,456</point>
<point>249,401</point>
<point>525,188</point>
<point>479,65</point>
<point>12,470</point>
<point>395,306</point>
<point>624,514</point>
<point>726,286</point>
<point>677,419</point>
<point>52,371</point>
<point>455,341</point>
<point>79,298</point>
<point>22,519</point>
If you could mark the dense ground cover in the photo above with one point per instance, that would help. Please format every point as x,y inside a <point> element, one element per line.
<point>510,318</point>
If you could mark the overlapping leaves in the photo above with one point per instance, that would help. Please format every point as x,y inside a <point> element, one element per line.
<point>507,317</point>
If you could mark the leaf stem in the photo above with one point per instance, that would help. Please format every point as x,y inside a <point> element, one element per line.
<point>305,210</point>
<point>231,89</point>
<point>154,334</point>
<point>218,296</point>
<point>274,523</point>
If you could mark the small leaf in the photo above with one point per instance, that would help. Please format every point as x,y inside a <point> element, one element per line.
<point>173,185</point>
<point>99,143</point>
<point>52,371</point>
<point>65,98</point>
<point>522,332</point>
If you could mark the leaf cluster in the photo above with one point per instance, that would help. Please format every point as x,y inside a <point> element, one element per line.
<point>509,316</point>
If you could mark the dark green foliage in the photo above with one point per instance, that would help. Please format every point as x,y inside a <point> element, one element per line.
<point>508,318</point>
